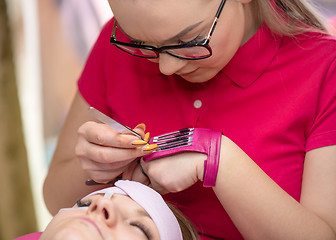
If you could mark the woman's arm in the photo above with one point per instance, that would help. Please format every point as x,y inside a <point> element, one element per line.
<point>260,208</point>
<point>85,144</point>
<point>319,184</point>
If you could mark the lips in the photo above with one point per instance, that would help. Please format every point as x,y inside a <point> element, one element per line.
<point>92,223</point>
<point>186,73</point>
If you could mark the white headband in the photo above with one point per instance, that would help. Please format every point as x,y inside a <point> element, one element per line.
<point>152,202</point>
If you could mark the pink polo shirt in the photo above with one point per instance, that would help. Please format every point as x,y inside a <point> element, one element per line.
<point>31,236</point>
<point>276,99</point>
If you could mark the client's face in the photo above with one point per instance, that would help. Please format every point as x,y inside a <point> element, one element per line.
<point>117,218</point>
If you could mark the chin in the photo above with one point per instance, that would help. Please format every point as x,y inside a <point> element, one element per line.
<point>63,234</point>
<point>198,77</point>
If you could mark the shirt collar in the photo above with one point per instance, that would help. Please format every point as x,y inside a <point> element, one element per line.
<point>252,58</point>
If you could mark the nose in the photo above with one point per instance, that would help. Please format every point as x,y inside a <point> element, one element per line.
<point>105,210</point>
<point>169,65</point>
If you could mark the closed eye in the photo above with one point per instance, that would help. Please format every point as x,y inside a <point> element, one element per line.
<point>137,42</point>
<point>195,40</point>
<point>143,228</point>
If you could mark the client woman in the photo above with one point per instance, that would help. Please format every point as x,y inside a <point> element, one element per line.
<point>129,210</point>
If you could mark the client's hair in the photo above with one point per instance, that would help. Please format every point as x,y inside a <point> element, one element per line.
<point>187,228</point>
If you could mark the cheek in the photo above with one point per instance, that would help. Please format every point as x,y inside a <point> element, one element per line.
<point>223,50</point>
<point>126,232</point>
<point>226,41</point>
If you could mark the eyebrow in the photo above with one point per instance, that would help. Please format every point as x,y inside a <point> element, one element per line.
<point>184,32</point>
<point>142,212</point>
<point>177,36</point>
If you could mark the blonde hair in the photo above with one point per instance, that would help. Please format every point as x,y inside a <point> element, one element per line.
<point>289,17</point>
<point>188,230</point>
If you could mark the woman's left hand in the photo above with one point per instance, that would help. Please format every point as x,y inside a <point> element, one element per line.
<point>169,174</point>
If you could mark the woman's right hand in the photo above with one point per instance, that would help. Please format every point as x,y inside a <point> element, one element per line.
<point>105,153</point>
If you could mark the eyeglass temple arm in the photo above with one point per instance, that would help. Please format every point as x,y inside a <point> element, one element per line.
<point>219,11</point>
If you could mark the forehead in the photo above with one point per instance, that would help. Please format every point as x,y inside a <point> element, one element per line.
<point>161,17</point>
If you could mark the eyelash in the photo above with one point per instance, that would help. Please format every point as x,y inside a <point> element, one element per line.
<point>81,203</point>
<point>143,228</point>
<point>195,40</point>
<point>137,42</point>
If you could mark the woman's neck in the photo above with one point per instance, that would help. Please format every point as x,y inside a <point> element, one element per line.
<point>252,22</point>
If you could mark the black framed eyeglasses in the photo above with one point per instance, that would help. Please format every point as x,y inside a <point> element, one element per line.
<point>187,51</point>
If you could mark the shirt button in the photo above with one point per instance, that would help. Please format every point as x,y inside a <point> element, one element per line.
<point>198,104</point>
